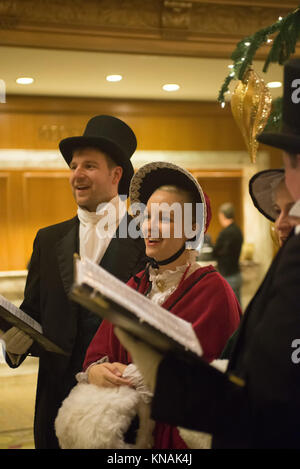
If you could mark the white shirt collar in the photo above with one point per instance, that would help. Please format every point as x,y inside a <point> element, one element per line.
<point>113,211</point>
<point>96,229</point>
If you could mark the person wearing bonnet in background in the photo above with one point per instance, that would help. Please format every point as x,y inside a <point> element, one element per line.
<point>271,197</point>
<point>172,279</point>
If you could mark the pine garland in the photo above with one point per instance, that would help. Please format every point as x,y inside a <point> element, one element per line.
<point>284,45</point>
<point>275,118</point>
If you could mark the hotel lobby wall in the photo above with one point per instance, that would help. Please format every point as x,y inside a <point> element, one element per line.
<point>33,195</point>
<point>30,122</point>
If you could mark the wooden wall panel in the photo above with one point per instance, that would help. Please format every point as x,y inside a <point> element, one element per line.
<point>30,200</point>
<point>221,188</point>
<point>47,200</point>
<point>158,126</point>
<point>31,122</point>
<point>34,199</point>
<point>4,217</point>
<point>12,222</point>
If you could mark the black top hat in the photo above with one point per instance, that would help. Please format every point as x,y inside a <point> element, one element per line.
<point>288,138</point>
<point>110,135</point>
<point>262,188</point>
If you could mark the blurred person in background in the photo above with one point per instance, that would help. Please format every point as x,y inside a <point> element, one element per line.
<point>227,249</point>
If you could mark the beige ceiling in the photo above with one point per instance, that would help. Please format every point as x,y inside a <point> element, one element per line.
<point>82,74</point>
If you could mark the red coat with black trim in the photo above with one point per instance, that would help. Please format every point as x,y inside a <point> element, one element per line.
<point>204,299</point>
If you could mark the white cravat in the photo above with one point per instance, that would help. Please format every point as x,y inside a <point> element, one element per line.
<point>97,228</point>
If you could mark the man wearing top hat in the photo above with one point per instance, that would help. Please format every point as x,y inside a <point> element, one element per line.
<point>256,403</point>
<point>100,170</point>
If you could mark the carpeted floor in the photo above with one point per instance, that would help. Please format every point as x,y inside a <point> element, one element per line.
<point>17,398</point>
<point>18,439</point>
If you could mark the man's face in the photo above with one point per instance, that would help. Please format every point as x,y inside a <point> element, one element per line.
<point>292,176</point>
<point>91,179</point>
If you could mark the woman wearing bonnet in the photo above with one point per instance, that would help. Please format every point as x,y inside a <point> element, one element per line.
<point>271,197</point>
<point>101,410</point>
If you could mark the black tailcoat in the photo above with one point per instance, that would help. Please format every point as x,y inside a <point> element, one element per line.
<point>265,412</point>
<point>49,280</point>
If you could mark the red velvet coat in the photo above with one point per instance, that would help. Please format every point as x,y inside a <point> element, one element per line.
<point>207,301</point>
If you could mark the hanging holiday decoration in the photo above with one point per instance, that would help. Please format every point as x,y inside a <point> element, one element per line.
<point>283,45</point>
<point>251,106</point>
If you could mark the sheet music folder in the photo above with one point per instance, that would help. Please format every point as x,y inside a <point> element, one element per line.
<point>102,293</point>
<point>11,316</point>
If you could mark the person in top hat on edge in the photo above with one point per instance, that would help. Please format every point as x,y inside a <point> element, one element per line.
<point>100,171</point>
<point>256,403</point>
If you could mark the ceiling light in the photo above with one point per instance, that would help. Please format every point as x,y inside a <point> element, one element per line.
<point>24,80</point>
<point>114,77</point>
<point>171,87</point>
<point>274,84</point>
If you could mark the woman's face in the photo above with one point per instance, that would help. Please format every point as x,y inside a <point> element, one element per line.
<point>283,204</point>
<point>163,227</point>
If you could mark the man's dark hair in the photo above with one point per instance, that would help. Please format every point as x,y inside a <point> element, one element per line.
<point>110,161</point>
<point>227,209</point>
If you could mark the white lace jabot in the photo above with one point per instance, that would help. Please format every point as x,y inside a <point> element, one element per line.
<point>165,283</point>
<point>93,237</point>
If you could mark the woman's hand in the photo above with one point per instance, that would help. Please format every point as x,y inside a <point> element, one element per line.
<point>108,375</point>
<point>146,358</point>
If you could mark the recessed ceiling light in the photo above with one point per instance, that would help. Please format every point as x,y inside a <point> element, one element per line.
<point>274,84</point>
<point>24,80</point>
<point>114,77</point>
<point>171,87</point>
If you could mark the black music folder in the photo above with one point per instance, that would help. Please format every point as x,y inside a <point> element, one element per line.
<point>105,295</point>
<point>11,316</point>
